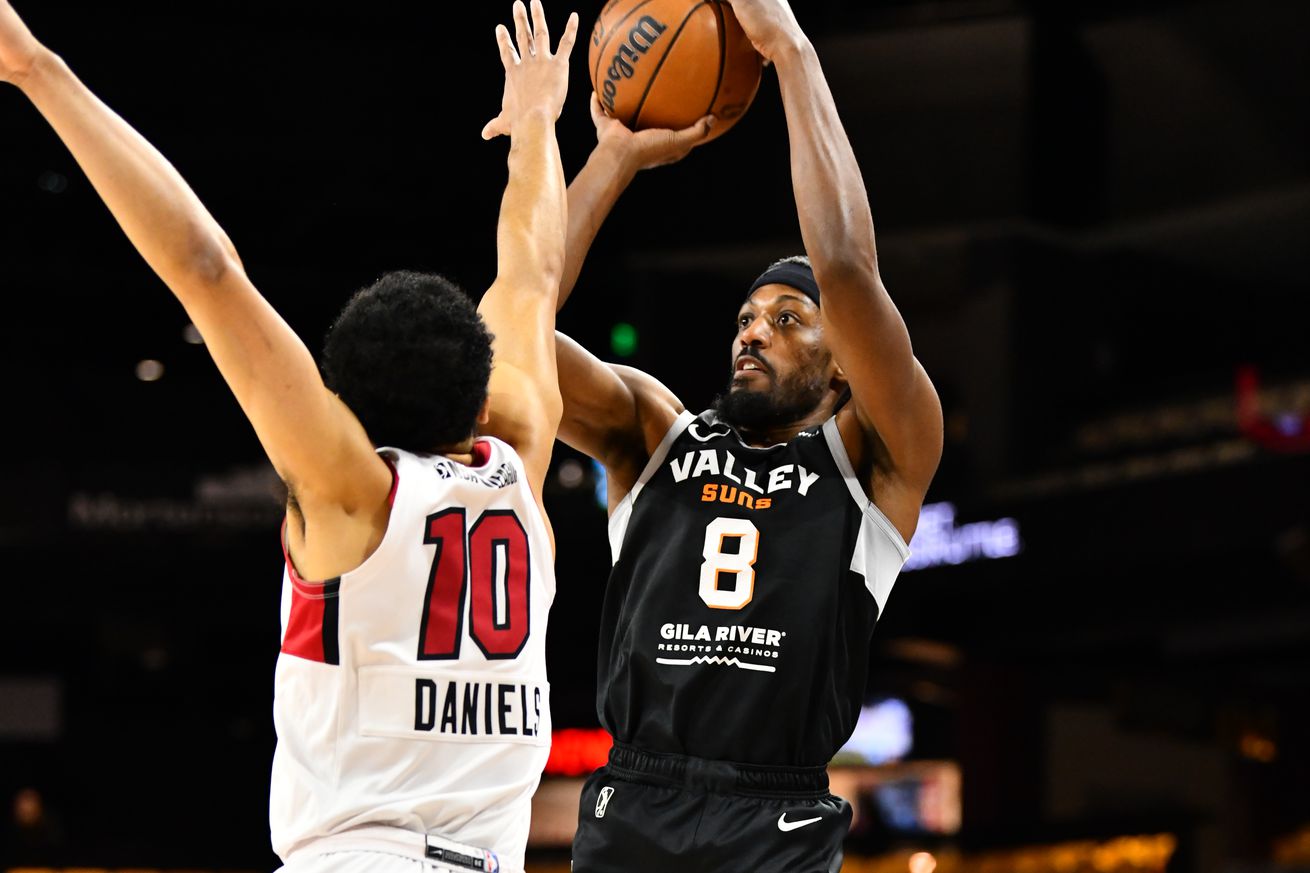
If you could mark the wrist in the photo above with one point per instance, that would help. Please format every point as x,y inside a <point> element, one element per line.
<point>791,51</point>
<point>44,64</point>
<point>616,158</point>
<point>534,116</point>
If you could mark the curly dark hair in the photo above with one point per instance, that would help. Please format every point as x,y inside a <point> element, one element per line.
<point>411,357</point>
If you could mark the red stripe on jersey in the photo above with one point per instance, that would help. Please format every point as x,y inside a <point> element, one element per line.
<point>395,483</point>
<point>481,453</point>
<point>304,635</point>
<point>311,631</point>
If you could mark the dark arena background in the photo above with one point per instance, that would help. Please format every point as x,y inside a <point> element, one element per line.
<point>1095,217</point>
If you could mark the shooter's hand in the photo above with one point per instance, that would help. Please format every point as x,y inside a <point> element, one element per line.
<point>644,149</point>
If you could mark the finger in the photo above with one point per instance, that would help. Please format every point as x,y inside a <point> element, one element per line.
<point>494,128</point>
<point>598,115</point>
<point>508,56</point>
<point>694,135</point>
<point>569,38</point>
<point>522,29</point>
<point>540,30</point>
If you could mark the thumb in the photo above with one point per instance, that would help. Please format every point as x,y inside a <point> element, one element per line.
<point>494,128</point>
<point>698,131</point>
<point>598,115</point>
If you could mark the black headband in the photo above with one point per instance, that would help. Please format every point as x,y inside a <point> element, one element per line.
<point>792,274</point>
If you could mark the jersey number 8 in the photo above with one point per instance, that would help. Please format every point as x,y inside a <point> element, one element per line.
<point>740,563</point>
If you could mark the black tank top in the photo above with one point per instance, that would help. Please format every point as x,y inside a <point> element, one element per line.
<point>745,587</point>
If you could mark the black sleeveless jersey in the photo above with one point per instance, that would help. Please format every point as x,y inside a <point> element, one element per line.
<point>745,587</point>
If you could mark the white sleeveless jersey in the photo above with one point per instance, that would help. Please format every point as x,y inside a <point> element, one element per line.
<point>412,691</point>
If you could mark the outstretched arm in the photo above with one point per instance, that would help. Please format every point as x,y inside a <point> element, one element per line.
<point>313,440</point>
<point>520,306</point>
<point>620,154</point>
<point>895,402</point>
<point>616,415</point>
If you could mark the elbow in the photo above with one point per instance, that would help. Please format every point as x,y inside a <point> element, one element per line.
<point>552,408</point>
<point>552,270</point>
<point>208,258</point>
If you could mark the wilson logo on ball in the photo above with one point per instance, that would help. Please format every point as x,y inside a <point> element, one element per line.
<point>670,63</point>
<point>641,39</point>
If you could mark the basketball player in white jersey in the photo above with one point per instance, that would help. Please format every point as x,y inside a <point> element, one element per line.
<point>411,701</point>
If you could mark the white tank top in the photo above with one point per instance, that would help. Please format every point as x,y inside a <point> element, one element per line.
<point>411,692</point>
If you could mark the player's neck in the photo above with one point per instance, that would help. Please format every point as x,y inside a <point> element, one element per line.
<point>460,453</point>
<point>784,433</point>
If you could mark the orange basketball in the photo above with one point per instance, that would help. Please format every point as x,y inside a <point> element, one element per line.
<point>668,63</point>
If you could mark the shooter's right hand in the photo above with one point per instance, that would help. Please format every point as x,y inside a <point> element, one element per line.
<point>644,149</point>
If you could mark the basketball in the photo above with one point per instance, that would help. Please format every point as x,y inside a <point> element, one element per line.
<point>668,63</point>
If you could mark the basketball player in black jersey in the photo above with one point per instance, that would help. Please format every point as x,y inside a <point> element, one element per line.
<point>755,544</point>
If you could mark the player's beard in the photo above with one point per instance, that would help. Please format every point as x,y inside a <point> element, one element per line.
<point>786,402</point>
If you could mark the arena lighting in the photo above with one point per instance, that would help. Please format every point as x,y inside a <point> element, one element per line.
<point>577,751</point>
<point>623,339</point>
<point>884,732</point>
<point>938,541</point>
<point>150,370</point>
<point>571,474</point>
<point>922,862</point>
<point>600,477</point>
<point>1286,431</point>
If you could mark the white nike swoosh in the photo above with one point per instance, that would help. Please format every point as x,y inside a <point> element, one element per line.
<point>785,826</point>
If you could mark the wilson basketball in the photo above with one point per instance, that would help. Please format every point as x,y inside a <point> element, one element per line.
<point>668,63</point>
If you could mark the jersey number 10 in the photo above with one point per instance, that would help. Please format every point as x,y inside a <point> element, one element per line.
<point>492,563</point>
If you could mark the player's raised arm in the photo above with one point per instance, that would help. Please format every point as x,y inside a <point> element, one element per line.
<point>894,400</point>
<point>620,154</point>
<point>614,414</point>
<point>313,440</point>
<point>519,308</point>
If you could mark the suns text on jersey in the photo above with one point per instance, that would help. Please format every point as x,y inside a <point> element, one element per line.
<point>477,709</point>
<point>722,463</point>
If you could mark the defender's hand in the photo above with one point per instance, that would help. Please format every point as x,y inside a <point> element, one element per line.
<point>771,26</point>
<point>19,50</point>
<point>644,149</point>
<point>535,79</point>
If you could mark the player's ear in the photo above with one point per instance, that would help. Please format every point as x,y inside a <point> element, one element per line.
<point>484,414</point>
<point>838,381</point>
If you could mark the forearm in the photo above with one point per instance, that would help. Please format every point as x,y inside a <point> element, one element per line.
<point>530,234</point>
<point>831,200</point>
<point>592,196</point>
<point>836,221</point>
<point>160,214</point>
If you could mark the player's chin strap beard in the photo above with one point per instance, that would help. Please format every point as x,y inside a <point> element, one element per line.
<point>763,412</point>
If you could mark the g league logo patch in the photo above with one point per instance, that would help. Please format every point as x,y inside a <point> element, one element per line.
<point>603,801</point>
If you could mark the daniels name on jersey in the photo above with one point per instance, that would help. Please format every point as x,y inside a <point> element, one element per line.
<point>399,703</point>
<point>747,582</point>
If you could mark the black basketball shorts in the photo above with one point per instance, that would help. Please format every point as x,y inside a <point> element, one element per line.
<point>648,813</point>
